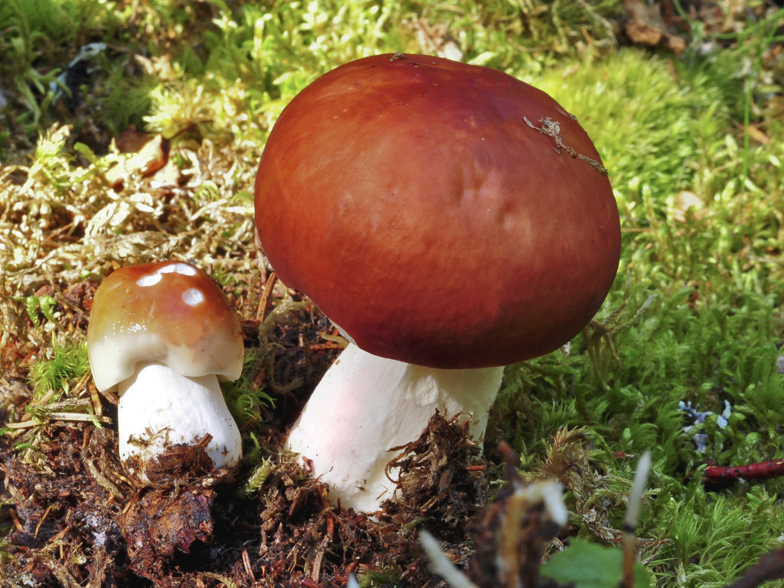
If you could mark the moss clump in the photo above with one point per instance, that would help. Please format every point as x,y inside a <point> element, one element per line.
<point>67,364</point>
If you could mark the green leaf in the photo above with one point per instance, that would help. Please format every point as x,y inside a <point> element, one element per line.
<point>86,151</point>
<point>588,565</point>
<point>47,303</point>
<point>32,303</point>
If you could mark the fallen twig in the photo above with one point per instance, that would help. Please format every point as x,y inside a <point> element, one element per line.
<point>552,129</point>
<point>632,514</point>
<point>60,416</point>
<point>266,297</point>
<point>764,470</point>
<point>770,567</point>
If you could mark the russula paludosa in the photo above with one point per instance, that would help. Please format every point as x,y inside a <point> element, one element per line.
<point>163,334</point>
<point>451,219</point>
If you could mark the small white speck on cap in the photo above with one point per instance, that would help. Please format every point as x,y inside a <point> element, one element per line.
<point>192,297</point>
<point>156,276</point>
<point>178,268</point>
<point>149,280</point>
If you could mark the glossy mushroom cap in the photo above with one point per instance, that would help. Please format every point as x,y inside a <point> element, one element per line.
<point>418,203</point>
<point>171,313</point>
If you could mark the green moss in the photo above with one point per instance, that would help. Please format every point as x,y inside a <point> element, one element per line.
<point>243,397</point>
<point>66,364</point>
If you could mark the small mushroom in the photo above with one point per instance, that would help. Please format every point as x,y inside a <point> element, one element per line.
<point>163,335</point>
<point>451,219</point>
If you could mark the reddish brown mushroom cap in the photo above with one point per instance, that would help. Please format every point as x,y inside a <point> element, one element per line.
<point>170,312</point>
<point>414,201</point>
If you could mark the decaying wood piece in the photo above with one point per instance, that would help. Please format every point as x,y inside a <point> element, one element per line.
<point>644,26</point>
<point>171,508</point>
<point>513,533</point>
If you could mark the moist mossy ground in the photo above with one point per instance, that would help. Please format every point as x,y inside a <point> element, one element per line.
<point>693,144</point>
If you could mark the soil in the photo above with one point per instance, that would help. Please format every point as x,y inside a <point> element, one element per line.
<point>78,517</point>
<point>89,523</point>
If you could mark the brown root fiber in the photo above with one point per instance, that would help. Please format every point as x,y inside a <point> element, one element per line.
<point>441,481</point>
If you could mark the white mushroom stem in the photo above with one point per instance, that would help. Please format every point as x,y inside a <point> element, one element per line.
<point>159,408</point>
<point>366,405</point>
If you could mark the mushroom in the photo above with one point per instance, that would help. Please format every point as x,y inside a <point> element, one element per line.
<point>451,220</point>
<point>163,335</point>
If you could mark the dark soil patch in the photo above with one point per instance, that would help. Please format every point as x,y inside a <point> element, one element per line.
<point>76,517</point>
<point>80,520</point>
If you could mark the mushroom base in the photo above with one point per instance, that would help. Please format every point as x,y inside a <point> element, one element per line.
<point>366,405</point>
<point>159,408</point>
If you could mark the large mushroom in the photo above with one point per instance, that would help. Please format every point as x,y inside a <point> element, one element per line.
<point>451,220</point>
<point>163,335</point>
